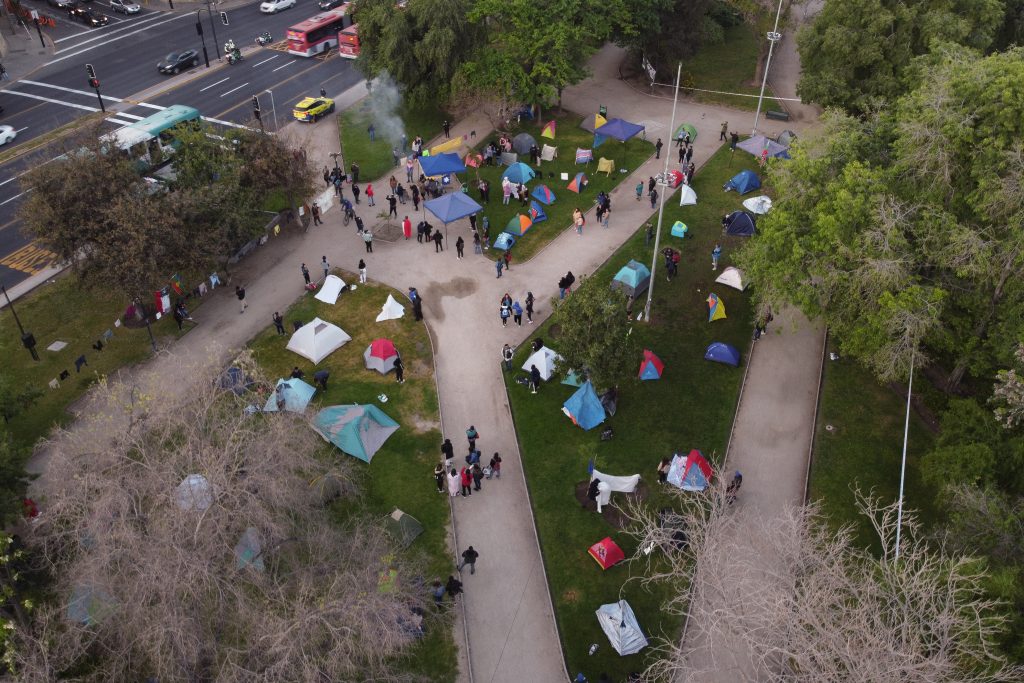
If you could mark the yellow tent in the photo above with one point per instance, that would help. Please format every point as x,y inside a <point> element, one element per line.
<point>716,308</point>
<point>448,146</point>
<point>605,166</point>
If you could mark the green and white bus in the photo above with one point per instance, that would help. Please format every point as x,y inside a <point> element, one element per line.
<point>151,141</point>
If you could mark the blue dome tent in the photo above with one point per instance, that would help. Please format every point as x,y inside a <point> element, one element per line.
<point>584,407</point>
<point>743,182</point>
<point>722,353</point>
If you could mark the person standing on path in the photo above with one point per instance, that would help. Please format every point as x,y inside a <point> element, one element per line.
<point>466,478</point>
<point>362,272</point>
<point>689,154</point>
<point>415,197</point>
<point>517,313</point>
<point>469,556</point>
<point>657,148</point>
<point>654,198</point>
<point>460,245</point>
<point>315,210</point>
<point>392,206</point>
<point>369,194</point>
<point>640,190</point>
<point>506,356</point>
<point>438,237</point>
<point>604,216</point>
<point>240,293</point>
<point>529,307</point>
<point>447,128</point>
<point>326,266</point>
<point>715,254</point>
<point>448,451</point>
<point>368,240</point>
<point>471,436</point>
<point>534,378</point>
<point>578,220</point>
<point>278,322</point>
<point>407,227</point>
<point>355,191</point>
<point>498,265</point>
<point>725,129</point>
<point>409,166</point>
<point>504,312</point>
<point>305,273</point>
<point>478,476</point>
<point>399,370</point>
<point>651,182</point>
<point>495,466</point>
<point>507,258</point>
<point>682,155</point>
<point>453,483</point>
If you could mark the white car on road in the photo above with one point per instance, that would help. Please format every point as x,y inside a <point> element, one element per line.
<point>7,133</point>
<point>125,6</point>
<point>274,6</point>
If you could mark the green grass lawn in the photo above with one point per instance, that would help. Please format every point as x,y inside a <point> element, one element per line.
<point>569,137</point>
<point>692,406</point>
<point>864,447</point>
<point>729,67</point>
<point>374,158</point>
<point>64,311</point>
<point>401,473</point>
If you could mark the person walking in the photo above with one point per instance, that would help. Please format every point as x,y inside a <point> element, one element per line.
<point>368,240</point>
<point>453,483</point>
<point>506,356</point>
<point>639,190</point>
<point>325,266</point>
<point>725,129</point>
<point>469,556</point>
<point>654,198</point>
<point>407,227</point>
<point>604,216</point>
<point>534,378</point>
<point>415,198</point>
<point>657,148</point>
<point>400,193</point>
<point>689,154</point>
<point>651,183</point>
<point>517,313</point>
<point>369,194</point>
<point>498,265</point>
<point>305,273</point>
<point>477,246</point>
<point>359,225</point>
<point>507,258</point>
<point>504,312</point>
<point>649,235</point>
<point>392,206</point>
<point>495,466</point>
<point>578,220</point>
<point>315,210</point>
<point>460,245</point>
<point>355,191</point>
<point>447,128</point>
<point>240,293</point>
<point>715,254</point>
<point>466,479</point>
<point>362,271</point>
<point>278,322</point>
<point>529,307</point>
<point>478,476</point>
<point>399,370</point>
<point>471,436</point>
<point>447,450</point>
<point>438,237</point>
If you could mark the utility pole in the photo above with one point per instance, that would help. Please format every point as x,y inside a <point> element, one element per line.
<point>35,18</point>
<point>213,26</point>
<point>94,83</point>
<point>773,37</point>
<point>27,338</point>
<point>199,30</point>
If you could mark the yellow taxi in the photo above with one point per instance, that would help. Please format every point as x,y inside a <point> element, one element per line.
<point>312,109</point>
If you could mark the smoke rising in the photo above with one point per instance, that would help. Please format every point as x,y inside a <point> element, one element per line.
<point>385,100</point>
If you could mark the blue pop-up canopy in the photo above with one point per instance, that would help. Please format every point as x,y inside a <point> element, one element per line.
<point>442,164</point>
<point>619,129</point>
<point>452,207</point>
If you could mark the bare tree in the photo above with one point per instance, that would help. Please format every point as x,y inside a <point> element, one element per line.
<point>785,598</point>
<point>190,540</point>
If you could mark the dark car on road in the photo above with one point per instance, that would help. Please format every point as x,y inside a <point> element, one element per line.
<point>177,61</point>
<point>87,16</point>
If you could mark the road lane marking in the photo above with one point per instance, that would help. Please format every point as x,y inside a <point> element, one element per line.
<point>283,66</point>
<point>141,22</point>
<point>234,89</point>
<point>15,196</point>
<point>71,90</point>
<point>29,259</point>
<point>213,84</point>
<point>120,123</point>
<point>19,131</point>
<point>265,61</point>
<point>51,100</point>
<point>115,39</point>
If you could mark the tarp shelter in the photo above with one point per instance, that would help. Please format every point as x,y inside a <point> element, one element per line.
<point>607,553</point>
<point>716,308</point>
<point>759,205</point>
<point>720,352</point>
<point>593,122</point>
<point>743,182</point>
<point>572,379</point>
<point>296,393</point>
<point>679,229</point>
<point>578,183</point>
<point>249,550</point>
<point>757,144</point>
<point>317,339</point>
<point>380,355</point>
<point>692,473</point>
<point>542,193</point>
<point>391,310</point>
<point>441,164</point>
<point>504,241</point>
<point>89,605</point>
<point>549,129</point>
<point>786,138</point>
<point>584,407</point>
<point>687,128</point>
<point>518,225</point>
<point>732,277</point>
<point>507,158</point>
<point>584,156</point>
<point>537,213</point>
<point>606,166</point>
<point>633,278</point>
<point>610,401</point>
<point>545,360</point>
<point>194,493</point>
<point>235,380</point>
<point>519,173</point>
<point>330,289</point>
<point>618,484</point>
<point>741,224</point>
<point>651,366</point>
<point>403,527</point>
<point>548,153</point>
<point>687,196</point>
<point>358,430</point>
<point>619,129</point>
<point>452,206</point>
<point>523,142</point>
<point>620,625</point>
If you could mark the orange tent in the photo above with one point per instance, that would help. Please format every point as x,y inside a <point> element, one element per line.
<point>607,553</point>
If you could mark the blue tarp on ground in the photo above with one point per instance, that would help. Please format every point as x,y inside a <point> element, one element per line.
<point>452,207</point>
<point>619,129</point>
<point>359,430</point>
<point>740,223</point>
<point>743,182</point>
<point>442,164</point>
<point>519,173</point>
<point>720,352</point>
<point>584,407</point>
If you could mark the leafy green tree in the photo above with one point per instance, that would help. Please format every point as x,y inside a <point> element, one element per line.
<point>13,479</point>
<point>595,337</point>
<point>857,55</point>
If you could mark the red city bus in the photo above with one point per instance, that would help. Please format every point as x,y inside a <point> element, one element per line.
<point>318,34</point>
<point>348,42</point>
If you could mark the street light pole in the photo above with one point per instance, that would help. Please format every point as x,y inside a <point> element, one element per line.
<point>903,465</point>
<point>216,45</point>
<point>661,206</point>
<point>199,30</point>
<point>773,37</point>
<point>26,337</point>
<point>273,109</point>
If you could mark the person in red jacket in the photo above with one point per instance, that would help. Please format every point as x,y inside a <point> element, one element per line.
<point>467,482</point>
<point>407,227</point>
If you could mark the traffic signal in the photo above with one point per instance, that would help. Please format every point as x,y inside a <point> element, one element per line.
<point>94,83</point>
<point>90,71</point>
<point>256,104</point>
<point>224,18</point>
<point>256,113</point>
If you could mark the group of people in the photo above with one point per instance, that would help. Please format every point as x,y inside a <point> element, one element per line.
<point>470,477</point>
<point>513,309</point>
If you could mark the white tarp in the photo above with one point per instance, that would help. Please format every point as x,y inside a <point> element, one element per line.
<point>732,277</point>
<point>544,358</point>
<point>194,493</point>
<point>391,310</point>
<point>759,205</point>
<point>330,289</point>
<point>317,339</point>
<point>687,196</point>
<point>548,153</point>
<point>620,625</point>
<point>620,484</point>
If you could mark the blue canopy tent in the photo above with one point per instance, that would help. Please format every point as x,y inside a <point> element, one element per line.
<point>619,129</point>
<point>759,143</point>
<point>743,182</point>
<point>584,407</point>
<point>722,353</point>
<point>296,395</point>
<point>442,164</point>
<point>451,207</point>
<point>359,430</point>
<point>519,173</point>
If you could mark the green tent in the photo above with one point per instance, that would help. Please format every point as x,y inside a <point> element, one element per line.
<point>403,527</point>
<point>359,430</point>
<point>684,129</point>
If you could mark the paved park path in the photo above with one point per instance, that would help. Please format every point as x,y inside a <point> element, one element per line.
<point>508,618</point>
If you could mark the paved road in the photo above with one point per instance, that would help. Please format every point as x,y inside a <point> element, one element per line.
<point>124,54</point>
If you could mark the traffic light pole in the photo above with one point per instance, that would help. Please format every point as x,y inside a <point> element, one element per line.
<point>213,26</point>
<point>199,30</point>
<point>94,83</point>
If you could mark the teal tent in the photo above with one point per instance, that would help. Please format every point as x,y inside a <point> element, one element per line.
<point>359,430</point>
<point>584,407</point>
<point>633,278</point>
<point>572,379</point>
<point>295,395</point>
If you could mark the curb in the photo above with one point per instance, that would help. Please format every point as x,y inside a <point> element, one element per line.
<point>814,419</point>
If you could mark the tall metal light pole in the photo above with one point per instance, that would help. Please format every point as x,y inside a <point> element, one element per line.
<point>661,206</point>
<point>199,30</point>
<point>26,337</point>
<point>903,465</point>
<point>213,26</point>
<point>273,109</point>
<point>773,37</point>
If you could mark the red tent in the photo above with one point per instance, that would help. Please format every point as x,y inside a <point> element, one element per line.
<point>651,366</point>
<point>607,553</point>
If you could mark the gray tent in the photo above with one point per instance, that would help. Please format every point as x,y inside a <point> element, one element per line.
<point>523,142</point>
<point>786,138</point>
<point>403,527</point>
<point>620,625</point>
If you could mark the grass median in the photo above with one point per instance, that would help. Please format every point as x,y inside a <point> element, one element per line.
<point>374,157</point>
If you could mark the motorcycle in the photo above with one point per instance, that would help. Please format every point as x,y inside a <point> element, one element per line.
<point>235,56</point>
<point>264,39</point>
